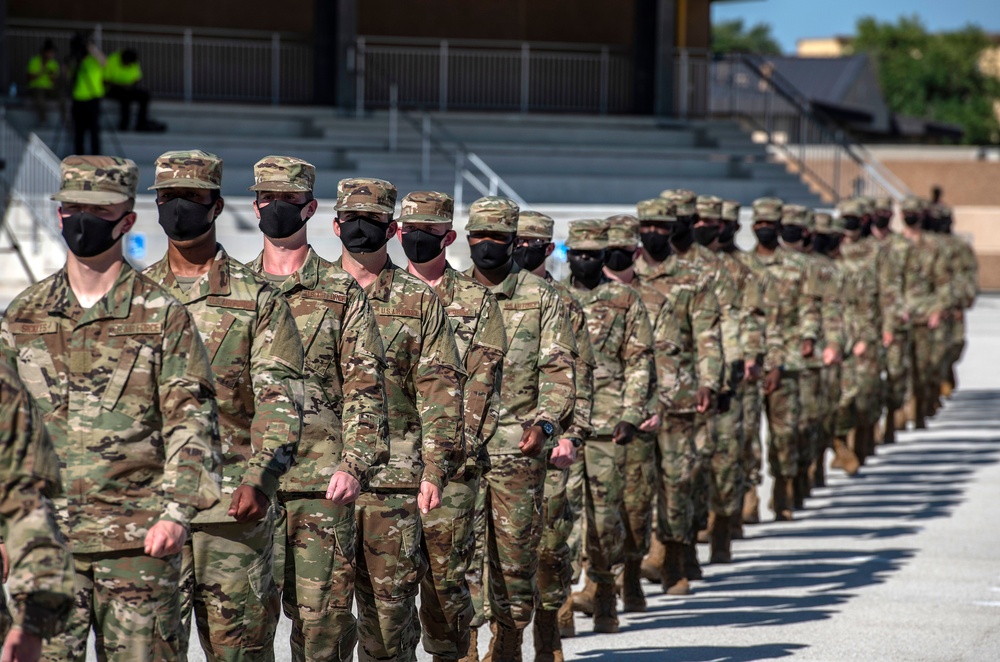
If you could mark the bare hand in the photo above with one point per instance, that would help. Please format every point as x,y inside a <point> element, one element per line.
<point>703,399</point>
<point>343,489</point>
<point>808,347</point>
<point>623,434</point>
<point>887,338</point>
<point>751,371</point>
<point>165,538</point>
<point>831,355</point>
<point>772,380</point>
<point>249,504</point>
<point>429,497</point>
<point>860,348</point>
<point>532,441</point>
<point>563,455</point>
<point>6,561</point>
<point>650,424</point>
<point>934,321</point>
<point>21,646</point>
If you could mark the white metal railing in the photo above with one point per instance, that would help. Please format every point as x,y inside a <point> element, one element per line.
<point>491,75</point>
<point>192,64</point>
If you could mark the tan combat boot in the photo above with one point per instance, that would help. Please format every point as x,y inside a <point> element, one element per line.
<point>899,419</point>
<point>633,599</point>
<point>782,498</point>
<point>651,565</point>
<point>567,625</point>
<point>548,646</point>
<point>722,540</point>
<point>751,506</point>
<point>473,654</point>
<point>844,458</point>
<point>673,579</point>
<point>605,609</point>
<point>583,601</point>
<point>505,646</point>
<point>705,535</point>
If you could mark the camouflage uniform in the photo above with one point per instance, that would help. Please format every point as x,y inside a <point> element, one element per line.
<point>832,374</point>
<point>256,356</point>
<point>41,567</point>
<point>344,428</point>
<point>539,388</point>
<point>446,609</point>
<point>962,261</point>
<point>124,379</point>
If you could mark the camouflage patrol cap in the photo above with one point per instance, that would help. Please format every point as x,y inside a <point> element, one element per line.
<point>588,235</point>
<point>427,207</point>
<point>656,209</point>
<point>493,214</point>
<point>851,207</point>
<point>668,194</point>
<point>97,180</point>
<point>685,202</point>
<point>730,210</point>
<point>797,215</point>
<point>283,173</point>
<point>623,231</point>
<point>838,225</point>
<point>912,205</point>
<point>191,168</point>
<point>823,223</point>
<point>366,194</point>
<point>767,209</point>
<point>534,225</point>
<point>867,204</point>
<point>883,204</point>
<point>709,207</point>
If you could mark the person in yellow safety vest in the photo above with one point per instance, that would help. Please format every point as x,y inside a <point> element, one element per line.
<point>122,74</point>
<point>43,80</point>
<point>88,90</point>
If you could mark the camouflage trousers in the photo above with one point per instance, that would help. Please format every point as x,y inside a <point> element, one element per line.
<point>956,345</point>
<point>925,376</point>
<point>861,389</point>
<point>132,602</point>
<point>604,464</point>
<point>705,443</point>
<point>813,404</point>
<point>640,488</point>
<point>897,358</point>
<point>391,564</point>
<point>555,569</point>
<point>227,579</point>
<point>832,379</point>
<point>728,477</point>
<point>314,567</point>
<point>753,450</point>
<point>574,491</point>
<point>676,457</point>
<point>782,407</point>
<point>445,603</point>
<point>511,507</point>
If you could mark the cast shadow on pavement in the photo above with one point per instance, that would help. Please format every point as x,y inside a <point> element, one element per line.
<point>693,653</point>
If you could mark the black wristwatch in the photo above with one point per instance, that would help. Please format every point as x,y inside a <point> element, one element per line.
<point>576,441</point>
<point>547,427</point>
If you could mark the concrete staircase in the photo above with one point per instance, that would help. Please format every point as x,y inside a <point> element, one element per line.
<point>555,159</point>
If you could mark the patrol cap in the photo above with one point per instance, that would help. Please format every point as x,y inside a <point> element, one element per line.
<point>730,210</point>
<point>883,204</point>
<point>283,173</point>
<point>656,209</point>
<point>97,180</point>
<point>623,231</point>
<point>493,214</point>
<point>191,168</point>
<point>867,204</point>
<point>709,207</point>
<point>852,207</point>
<point>823,223</point>
<point>366,194</point>
<point>534,225</point>
<point>685,202</point>
<point>838,225</point>
<point>427,208</point>
<point>797,215</point>
<point>912,205</point>
<point>588,235</point>
<point>767,209</point>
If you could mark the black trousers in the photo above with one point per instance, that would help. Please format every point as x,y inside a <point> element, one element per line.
<point>87,120</point>
<point>126,96</point>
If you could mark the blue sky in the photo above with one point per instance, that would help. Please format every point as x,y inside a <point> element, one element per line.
<point>792,20</point>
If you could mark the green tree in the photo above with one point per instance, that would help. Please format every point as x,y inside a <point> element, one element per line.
<point>935,76</point>
<point>733,37</point>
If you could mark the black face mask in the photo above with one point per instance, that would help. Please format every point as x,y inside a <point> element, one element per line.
<point>767,236</point>
<point>87,235</point>
<point>421,246</point>
<point>280,219</point>
<point>680,232</point>
<point>586,271</point>
<point>911,220</point>
<point>530,257</point>
<point>851,223</point>
<point>825,243</point>
<point>490,255</point>
<point>792,233</point>
<point>656,244</point>
<point>882,222</point>
<point>705,234</point>
<point>619,259</point>
<point>184,219</point>
<point>362,235</point>
<point>866,228</point>
<point>728,234</point>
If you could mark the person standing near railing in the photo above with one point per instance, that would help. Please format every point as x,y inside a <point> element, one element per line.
<point>43,81</point>
<point>87,88</point>
<point>122,76</point>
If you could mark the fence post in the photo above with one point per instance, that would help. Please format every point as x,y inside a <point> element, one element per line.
<point>836,174</point>
<point>443,76</point>
<point>188,65</point>
<point>99,36</point>
<point>605,75</point>
<point>525,73</point>
<point>393,117</point>
<point>683,79</point>
<point>359,78</point>
<point>425,156</point>
<point>459,180</point>
<point>275,68</point>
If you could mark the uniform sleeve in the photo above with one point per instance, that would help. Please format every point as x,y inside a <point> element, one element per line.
<point>276,360</point>
<point>752,319</point>
<point>8,351</point>
<point>556,363</point>
<point>809,305</point>
<point>868,311</point>
<point>579,426</point>
<point>41,567</point>
<point>774,334</point>
<point>637,354</point>
<point>891,279</point>
<point>944,294</point>
<point>484,370</point>
<point>707,332</point>
<point>439,381</point>
<point>190,421</point>
<point>365,414</point>
<point>832,311</point>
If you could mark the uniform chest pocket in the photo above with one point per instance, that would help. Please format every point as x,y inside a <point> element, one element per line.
<point>321,338</point>
<point>133,375</point>
<point>607,329</point>
<point>229,346</point>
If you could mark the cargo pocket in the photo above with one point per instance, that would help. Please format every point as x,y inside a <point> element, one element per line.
<point>344,568</point>
<point>410,563</point>
<point>260,603</point>
<point>135,358</point>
